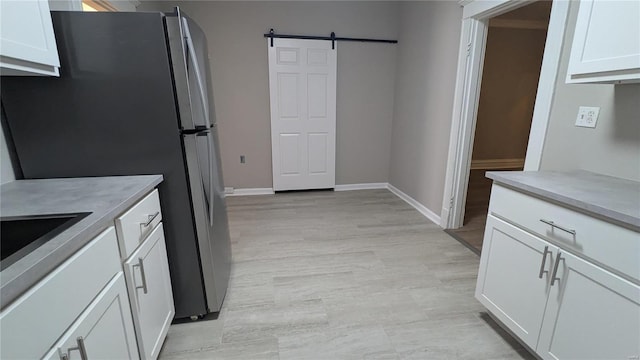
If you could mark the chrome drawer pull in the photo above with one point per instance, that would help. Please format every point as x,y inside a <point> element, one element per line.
<point>554,225</point>
<point>150,220</point>
<point>140,264</point>
<point>81,348</point>
<point>555,269</point>
<point>544,260</point>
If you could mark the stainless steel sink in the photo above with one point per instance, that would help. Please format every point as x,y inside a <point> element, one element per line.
<point>21,235</point>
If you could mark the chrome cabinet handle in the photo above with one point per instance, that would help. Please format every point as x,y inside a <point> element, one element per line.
<point>150,219</point>
<point>81,348</point>
<point>140,264</point>
<point>554,225</point>
<point>555,269</point>
<point>544,261</point>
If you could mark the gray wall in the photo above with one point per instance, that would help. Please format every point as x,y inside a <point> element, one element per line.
<point>239,66</point>
<point>613,147</point>
<point>425,81</point>
<point>507,96</point>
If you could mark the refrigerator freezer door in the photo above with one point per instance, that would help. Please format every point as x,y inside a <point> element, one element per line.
<point>197,84</point>
<point>177,53</point>
<point>188,50</point>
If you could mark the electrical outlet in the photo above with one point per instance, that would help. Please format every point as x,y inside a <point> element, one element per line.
<point>587,116</point>
<point>242,159</point>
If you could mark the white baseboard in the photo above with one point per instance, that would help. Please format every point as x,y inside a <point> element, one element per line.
<point>365,186</point>
<point>413,202</point>
<point>497,164</point>
<point>229,191</point>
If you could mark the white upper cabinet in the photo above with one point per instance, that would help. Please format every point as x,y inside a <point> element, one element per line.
<point>606,43</point>
<point>27,41</point>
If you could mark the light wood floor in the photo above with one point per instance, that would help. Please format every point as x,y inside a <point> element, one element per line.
<point>344,275</point>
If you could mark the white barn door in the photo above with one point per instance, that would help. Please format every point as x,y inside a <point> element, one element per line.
<point>302,86</point>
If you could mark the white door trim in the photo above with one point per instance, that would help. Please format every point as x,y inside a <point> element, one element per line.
<point>467,91</point>
<point>546,84</point>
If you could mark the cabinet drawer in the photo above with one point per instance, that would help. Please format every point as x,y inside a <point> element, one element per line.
<point>610,245</point>
<point>34,322</point>
<point>137,223</point>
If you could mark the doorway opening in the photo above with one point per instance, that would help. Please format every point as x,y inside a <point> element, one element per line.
<point>510,75</point>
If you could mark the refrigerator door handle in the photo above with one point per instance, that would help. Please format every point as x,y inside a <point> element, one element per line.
<point>196,68</point>
<point>211,184</point>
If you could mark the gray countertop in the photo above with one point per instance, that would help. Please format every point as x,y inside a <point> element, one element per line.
<point>606,197</point>
<point>104,197</point>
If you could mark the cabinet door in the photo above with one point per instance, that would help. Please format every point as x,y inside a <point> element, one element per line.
<point>104,330</point>
<point>606,42</point>
<point>513,280</point>
<point>149,284</point>
<point>27,41</point>
<point>591,314</point>
<point>58,299</point>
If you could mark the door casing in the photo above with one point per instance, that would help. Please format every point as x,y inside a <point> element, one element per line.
<point>473,38</point>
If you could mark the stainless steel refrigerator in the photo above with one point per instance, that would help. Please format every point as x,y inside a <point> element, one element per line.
<point>134,97</point>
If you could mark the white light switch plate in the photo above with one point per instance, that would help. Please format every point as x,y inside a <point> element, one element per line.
<point>587,116</point>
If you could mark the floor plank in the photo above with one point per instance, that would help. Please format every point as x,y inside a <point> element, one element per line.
<point>343,275</point>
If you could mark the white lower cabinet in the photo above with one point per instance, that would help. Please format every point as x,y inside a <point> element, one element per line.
<point>149,284</point>
<point>515,270</point>
<point>88,308</point>
<point>556,300</point>
<point>84,296</point>
<point>591,314</point>
<point>103,331</point>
